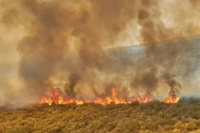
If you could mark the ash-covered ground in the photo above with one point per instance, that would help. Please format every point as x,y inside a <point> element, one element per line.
<point>157,117</point>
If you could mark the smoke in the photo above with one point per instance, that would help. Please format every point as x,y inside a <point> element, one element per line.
<point>65,44</point>
<point>69,88</point>
<point>174,85</point>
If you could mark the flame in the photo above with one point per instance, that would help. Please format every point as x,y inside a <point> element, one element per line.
<point>147,98</point>
<point>171,99</point>
<point>112,99</point>
<point>54,96</point>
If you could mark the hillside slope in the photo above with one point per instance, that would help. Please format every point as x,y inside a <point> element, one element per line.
<point>90,118</point>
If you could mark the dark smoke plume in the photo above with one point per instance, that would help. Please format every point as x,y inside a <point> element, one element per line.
<point>64,44</point>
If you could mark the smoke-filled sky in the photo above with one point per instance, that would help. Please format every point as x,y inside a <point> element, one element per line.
<point>62,44</point>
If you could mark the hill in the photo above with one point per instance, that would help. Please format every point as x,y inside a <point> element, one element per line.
<point>93,118</point>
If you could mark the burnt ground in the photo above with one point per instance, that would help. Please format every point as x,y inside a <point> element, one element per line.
<point>157,117</point>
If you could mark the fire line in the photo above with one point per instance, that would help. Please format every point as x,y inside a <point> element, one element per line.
<point>55,96</point>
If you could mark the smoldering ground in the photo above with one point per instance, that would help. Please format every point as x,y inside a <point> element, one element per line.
<point>63,45</point>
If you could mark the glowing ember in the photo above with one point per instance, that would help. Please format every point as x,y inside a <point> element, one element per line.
<point>56,97</point>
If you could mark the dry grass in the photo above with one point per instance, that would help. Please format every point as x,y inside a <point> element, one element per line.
<point>91,118</point>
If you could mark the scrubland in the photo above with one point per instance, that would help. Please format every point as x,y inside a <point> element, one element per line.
<point>153,117</point>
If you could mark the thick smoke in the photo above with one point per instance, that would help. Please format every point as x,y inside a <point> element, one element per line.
<point>64,44</point>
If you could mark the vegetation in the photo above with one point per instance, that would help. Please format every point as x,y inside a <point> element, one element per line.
<point>92,118</point>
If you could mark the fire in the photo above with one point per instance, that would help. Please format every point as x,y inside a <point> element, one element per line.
<point>147,98</point>
<point>113,99</point>
<point>54,96</point>
<point>171,99</point>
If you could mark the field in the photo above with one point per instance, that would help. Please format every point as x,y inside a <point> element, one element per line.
<point>157,117</point>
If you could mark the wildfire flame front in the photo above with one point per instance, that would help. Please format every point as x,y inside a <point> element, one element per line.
<point>55,96</point>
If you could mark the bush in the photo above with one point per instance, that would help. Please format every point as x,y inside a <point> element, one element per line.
<point>90,118</point>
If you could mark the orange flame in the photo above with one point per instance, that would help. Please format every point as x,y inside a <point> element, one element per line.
<point>147,98</point>
<point>56,97</point>
<point>112,99</point>
<point>171,99</point>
